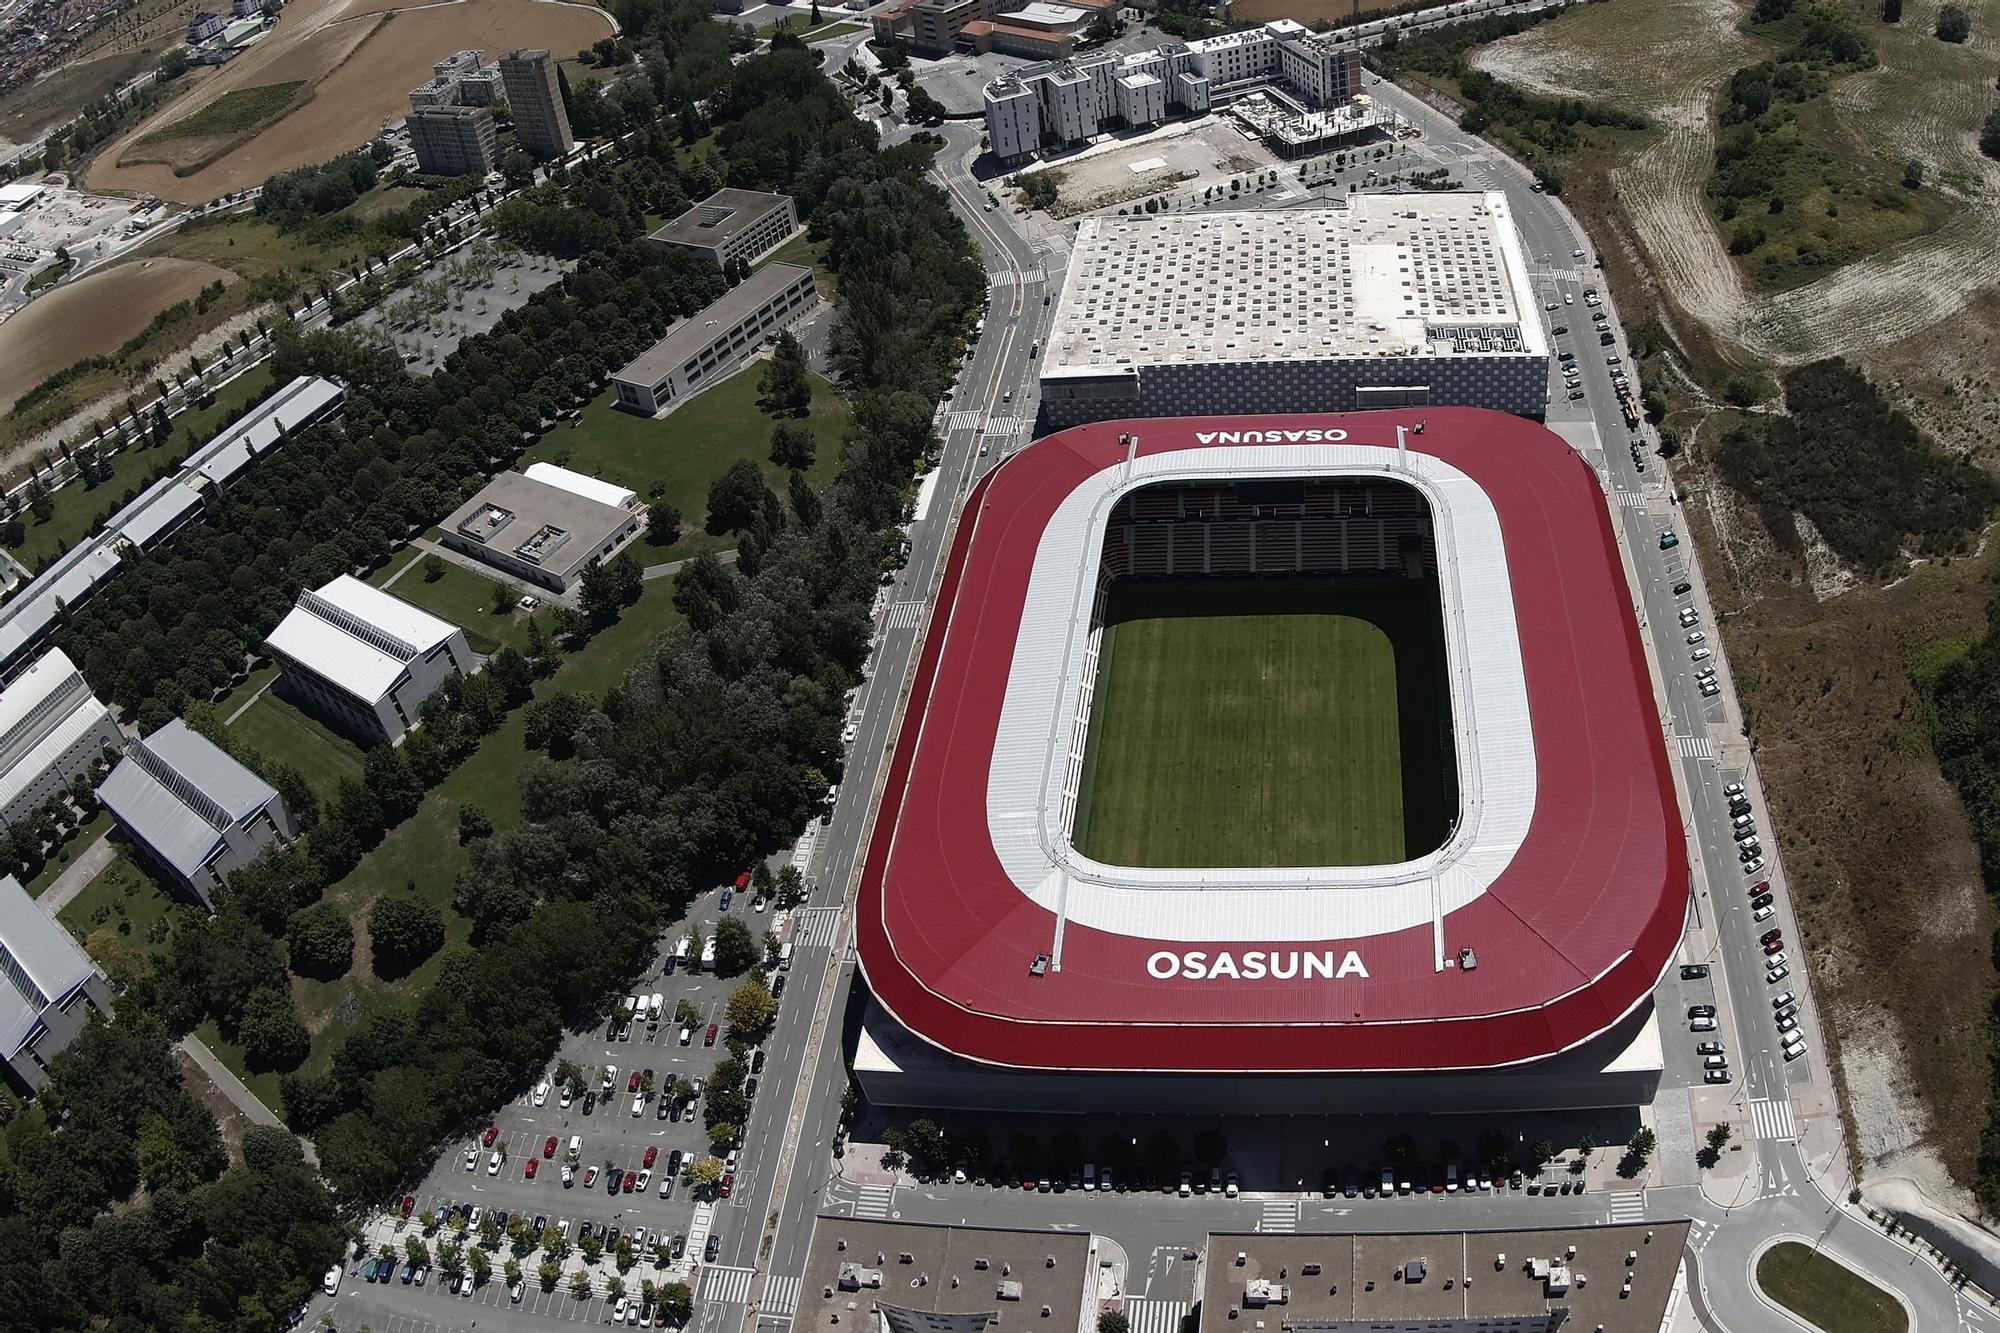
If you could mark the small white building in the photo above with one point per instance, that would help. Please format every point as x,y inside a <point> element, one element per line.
<point>196,812</point>
<point>364,660</point>
<point>48,988</point>
<point>51,729</point>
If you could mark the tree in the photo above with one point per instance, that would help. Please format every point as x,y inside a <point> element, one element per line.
<point>1641,1145</point>
<point>1718,1137</point>
<point>735,948</point>
<point>551,724</point>
<point>480,1265</point>
<point>783,389</point>
<point>1112,1321</point>
<point>270,1147</point>
<point>793,445</point>
<point>663,524</point>
<point>579,1281</point>
<point>591,1247</point>
<point>473,822</point>
<point>623,1256</point>
<point>320,940</point>
<point>502,599</point>
<point>511,1270</point>
<point>1913,174</point>
<point>926,1142</point>
<point>433,567</point>
<point>750,1009</point>
<point>387,773</point>
<point>416,1251</point>
<point>1892,11</point>
<point>678,1302</point>
<point>707,1169</point>
<point>517,167</point>
<point>549,1273</point>
<point>706,590</point>
<point>614,1286</point>
<point>270,1030</point>
<point>739,499</point>
<point>402,932</point>
<point>1953,24</point>
<point>1989,134</point>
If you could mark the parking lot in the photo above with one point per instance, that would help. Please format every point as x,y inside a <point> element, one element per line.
<point>515,1167</point>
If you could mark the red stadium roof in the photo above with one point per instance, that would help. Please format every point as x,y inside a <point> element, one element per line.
<point>1571,936</point>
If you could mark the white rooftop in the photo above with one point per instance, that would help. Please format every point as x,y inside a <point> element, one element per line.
<point>576,483</point>
<point>357,637</point>
<point>1042,13</point>
<point>1388,275</point>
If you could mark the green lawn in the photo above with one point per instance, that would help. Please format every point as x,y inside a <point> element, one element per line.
<point>803,249</point>
<point>805,33</point>
<point>232,113</point>
<point>116,915</point>
<point>460,596</point>
<point>98,825</point>
<point>278,730</point>
<point>80,509</point>
<point>682,452</point>
<point>1827,1294</point>
<point>1266,724</point>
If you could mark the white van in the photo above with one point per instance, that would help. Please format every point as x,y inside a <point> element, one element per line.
<point>707,954</point>
<point>1090,1175</point>
<point>659,1004</point>
<point>785,956</point>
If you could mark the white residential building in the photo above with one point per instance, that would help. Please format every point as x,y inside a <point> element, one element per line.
<point>51,729</point>
<point>365,660</point>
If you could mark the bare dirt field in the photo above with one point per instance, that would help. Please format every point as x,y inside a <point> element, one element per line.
<point>92,316</point>
<point>1304,11</point>
<point>1917,103</point>
<point>57,96</point>
<point>367,88</point>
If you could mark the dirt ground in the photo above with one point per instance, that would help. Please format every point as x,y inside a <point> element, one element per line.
<point>1305,11</point>
<point>92,316</point>
<point>367,88</point>
<point>56,97</point>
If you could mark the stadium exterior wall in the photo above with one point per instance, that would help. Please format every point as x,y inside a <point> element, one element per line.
<point>1618,1069</point>
<point>1514,382</point>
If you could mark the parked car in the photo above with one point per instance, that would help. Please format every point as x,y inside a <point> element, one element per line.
<point>1694,971</point>
<point>533,1162</point>
<point>708,1039</point>
<point>492,1133</point>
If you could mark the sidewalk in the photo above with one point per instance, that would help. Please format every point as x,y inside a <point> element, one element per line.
<point>89,863</point>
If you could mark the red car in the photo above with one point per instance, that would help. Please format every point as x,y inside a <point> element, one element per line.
<point>533,1162</point>
<point>743,880</point>
<point>633,1086</point>
<point>631,1179</point>
<point>652,1155</point>
<point>1761,886</point>
<point>728,1183</point>
<point>589,1174</point>
<point>492,1133</point>
<point>709,1040</point>
<point>549,1146</point>
<point>408,1205</point>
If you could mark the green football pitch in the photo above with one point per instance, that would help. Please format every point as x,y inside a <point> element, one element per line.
<point>1291,722</point>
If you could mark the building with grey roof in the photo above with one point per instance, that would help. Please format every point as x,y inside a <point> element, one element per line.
<point>731,225</point>
<point>454,140</point>
<point>1389,301</point>
<point>48,988</point>
<point>1533,1281</point>
<point>699,351</point>
<point>544,529</point>
<point>51,729</point>
<point>159,512</point>
<point>866,1276</point>
<point>365,660</point>
<point>197,813</point>
<point>541,126</point>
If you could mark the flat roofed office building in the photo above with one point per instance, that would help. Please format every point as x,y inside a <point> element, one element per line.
<point>365,660</point>
<point>1392,301</point>
<point>699,351</point>
<point>901,1277</point>
<point>48,988</point>
<point>541,126</point>
<point>545,528</point>
<point>454,140</point>
<point>51,729</point>
<point>196,811</point>
<point>732,224</point>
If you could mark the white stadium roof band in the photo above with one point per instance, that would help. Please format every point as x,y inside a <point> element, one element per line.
<point>1027,806</point>
<point>1386,275</point>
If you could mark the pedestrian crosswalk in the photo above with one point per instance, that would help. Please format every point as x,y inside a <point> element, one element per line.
<point>816,927</point>
<point>1628,1206</point>
<point>874,1200</point>
<point>1772,1119</point>
<point>1632,499</point>
<point>1694,747</point>
<point>1008,426</point>
<point>720,1283</point>
<point>963,421</point>
<point>905,615</point>
<point>781,1296</point>
<point>1280,1215</point>
<point>1155,1316</point>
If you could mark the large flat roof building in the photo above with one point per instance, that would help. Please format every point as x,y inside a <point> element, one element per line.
<point>48,988</point>
<point>866,1276</point>
<point>197,812</point>
<point>452,140</point>
<point>546,526</point>
<point>51,729</point>
<point>364,659</point>
<point>699,351</point>
<point>1393,300</point>
<point>731,225</point>
<point>1533,1281</point>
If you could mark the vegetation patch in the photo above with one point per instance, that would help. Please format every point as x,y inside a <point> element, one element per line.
<point>192,142</point>
<point>1827,1294</point>
<point>1868,480</point>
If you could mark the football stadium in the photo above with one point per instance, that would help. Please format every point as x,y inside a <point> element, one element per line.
<point>1245,752</point>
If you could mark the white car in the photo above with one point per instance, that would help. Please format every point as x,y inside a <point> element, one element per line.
<point>1764,913</point>
<point>618,1311</point>
<point>1229,1186</point>
<point>330,1284</point>
<point>530,603</point>
<point>514,1291</point>
<point>465,1285</point>
<point>493,1163</point>
<point>565,1097</point>
<point>638,1102</point>
<point>645,1175</point>
<point>472,1159</point>
<point>542,1093</point>
<point>847,734</point>
<point>568,1176</point>
<point>757,903</point>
